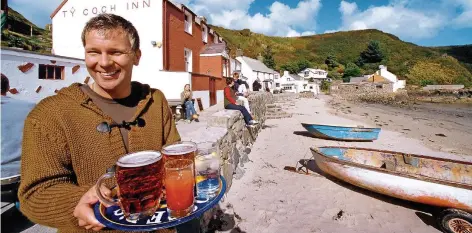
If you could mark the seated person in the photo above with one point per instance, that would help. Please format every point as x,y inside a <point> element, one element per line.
<point>241,92</point>
<point>186,98</point>
<point>14,113</point>
<point>230,103</point>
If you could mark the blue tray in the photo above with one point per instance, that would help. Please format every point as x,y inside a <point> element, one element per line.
<point>113,217</point>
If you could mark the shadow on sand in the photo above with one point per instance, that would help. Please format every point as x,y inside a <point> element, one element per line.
<point>222,221</point>
<point>426,213</point>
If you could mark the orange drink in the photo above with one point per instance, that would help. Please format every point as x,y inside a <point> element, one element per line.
<point>180,184</point>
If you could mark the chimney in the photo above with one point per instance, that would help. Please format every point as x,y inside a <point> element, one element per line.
<point>239,52</point>
<point>382,67</point>
<point>286,73</point>
<point>260,58</point>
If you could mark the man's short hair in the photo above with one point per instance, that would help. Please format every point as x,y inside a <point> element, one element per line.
<point>229,81</point>
<point>5,84</point>
<point>106,22</point>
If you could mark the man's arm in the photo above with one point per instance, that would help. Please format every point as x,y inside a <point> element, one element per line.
<point>48,192</point>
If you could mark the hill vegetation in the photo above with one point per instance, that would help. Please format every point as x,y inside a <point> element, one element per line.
<point>342,50</point>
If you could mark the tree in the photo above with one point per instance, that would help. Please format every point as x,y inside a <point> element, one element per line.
<point>352,70</point>
<point>296,67</point>
<point>269,58</point>
<point>372,54</point>
<point>331,62</point>
<point>302,64</point>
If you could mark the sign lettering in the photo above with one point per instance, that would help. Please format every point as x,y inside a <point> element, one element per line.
<point>133,5</point>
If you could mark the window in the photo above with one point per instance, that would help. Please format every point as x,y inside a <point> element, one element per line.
<point>215,39</point>
<point>51,72</point>
<point>188,60</point>
<point>277,85</point>
<point>288,79</point>
<point>204,33</point>
<point>307,73</point>
<point>225,71</point>
<point>188,22</point>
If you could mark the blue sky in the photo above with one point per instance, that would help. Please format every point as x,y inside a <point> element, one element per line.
<point>423,22</point>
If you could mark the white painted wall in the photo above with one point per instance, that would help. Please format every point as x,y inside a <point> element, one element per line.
<point>170,83</point>
<point>205,96</point>
<point>27,83</point>
<point>220,96</point>
<point>386,74</point>
<point>248,73</point>
<point>146,17</point>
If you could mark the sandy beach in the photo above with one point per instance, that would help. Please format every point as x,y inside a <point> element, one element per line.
<point>270,199</point>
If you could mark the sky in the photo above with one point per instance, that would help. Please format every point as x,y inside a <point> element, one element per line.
<point>423,22</point>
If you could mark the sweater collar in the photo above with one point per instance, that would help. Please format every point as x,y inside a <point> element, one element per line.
<point>75,93</point>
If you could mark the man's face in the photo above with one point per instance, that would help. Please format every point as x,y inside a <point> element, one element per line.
<point>109,58</point>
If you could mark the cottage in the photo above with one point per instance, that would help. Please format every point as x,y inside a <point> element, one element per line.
<point>317,75</point>
<point>254,71</point>
<point>384,76</point>
<point>178,47</point>
<point>295,83</point>
<point>34,76</point>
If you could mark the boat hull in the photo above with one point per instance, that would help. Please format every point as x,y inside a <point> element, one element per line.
<point>342,133</point>
<point>401,187</point>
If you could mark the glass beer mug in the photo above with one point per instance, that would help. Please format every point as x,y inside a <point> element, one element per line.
<point>139,177</point>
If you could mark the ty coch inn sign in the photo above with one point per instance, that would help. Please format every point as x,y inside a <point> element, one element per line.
<point>123,6</point>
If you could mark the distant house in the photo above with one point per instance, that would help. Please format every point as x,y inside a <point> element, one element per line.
<point>384,76</point>
<point>295,83</point>
<point>254,71</point>
<point>317,74</point>
<point>359,79</point>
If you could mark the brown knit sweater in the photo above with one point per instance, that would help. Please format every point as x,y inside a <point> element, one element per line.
<point>64,154</point>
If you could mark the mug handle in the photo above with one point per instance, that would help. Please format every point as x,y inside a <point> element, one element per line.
<point>103,199</point>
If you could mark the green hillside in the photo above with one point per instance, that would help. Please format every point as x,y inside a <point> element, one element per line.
<point>19,32</point>
<point>418,65</point>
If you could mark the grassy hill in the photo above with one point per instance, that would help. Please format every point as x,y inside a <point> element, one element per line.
<point>417,64</point>
<point>19,32</point>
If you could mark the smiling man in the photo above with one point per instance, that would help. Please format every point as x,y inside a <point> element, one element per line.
<point>70,139</point>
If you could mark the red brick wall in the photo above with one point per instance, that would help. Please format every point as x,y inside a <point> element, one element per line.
<point>178,39</point>
<point>200,82</point>
<point>212,66</point>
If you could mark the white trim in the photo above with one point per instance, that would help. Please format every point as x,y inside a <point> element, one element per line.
<point>224,54</point>
<point>211,31</point>
<point>189,66</point>
<point>204,33</point>
<point>188,25</point>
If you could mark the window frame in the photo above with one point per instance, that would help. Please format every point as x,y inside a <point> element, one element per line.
<point>204,33</point>
<point>188,61</point>
<point>54,67</point>
<point>188,24</point>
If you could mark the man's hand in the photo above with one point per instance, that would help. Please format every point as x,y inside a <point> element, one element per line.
<point>246,94</point>
<point>84,211</point>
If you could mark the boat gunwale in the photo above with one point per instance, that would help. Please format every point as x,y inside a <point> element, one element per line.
<point>340,126</point>
<point>406,175</point>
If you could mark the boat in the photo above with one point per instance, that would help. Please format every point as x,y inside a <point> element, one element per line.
<point>343,133</point>
<point>428,180</point>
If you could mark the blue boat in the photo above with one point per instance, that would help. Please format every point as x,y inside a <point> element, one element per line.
<point>342,133</point>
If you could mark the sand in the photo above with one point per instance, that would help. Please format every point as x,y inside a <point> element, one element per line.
<point>270,199</point>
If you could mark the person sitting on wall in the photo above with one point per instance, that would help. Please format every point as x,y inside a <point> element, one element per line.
<point>230,103</point>
<point>186,98</point>
<point>14,112</point>
<point>241,92</point>
<point>256,86</point>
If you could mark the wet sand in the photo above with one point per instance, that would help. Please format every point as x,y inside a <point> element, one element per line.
<point>442,127</point>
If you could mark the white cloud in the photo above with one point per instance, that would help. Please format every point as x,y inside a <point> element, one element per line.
<point>308,33</point>
<point>463,20</point>
<point>394,18</point>
<point>282,20</point>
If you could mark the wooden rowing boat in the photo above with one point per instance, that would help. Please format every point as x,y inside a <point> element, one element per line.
<point>344,133</point>
<point>433,181</point>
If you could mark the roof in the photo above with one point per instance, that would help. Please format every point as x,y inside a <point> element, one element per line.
<point>256,65</point>
<point>58,9</point>
<point>313,69</point>
<point>7,49</point>
<point>296,77</point>
<point>214,48</point>
<point>357,79</point>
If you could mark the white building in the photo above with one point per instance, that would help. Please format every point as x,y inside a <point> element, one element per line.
<point>295,83</point>
<point>235,66</point>
<point>252,70</point>
<point>146,15</point>
<point>317,74</point>
<point>34,76</point>
<point>384,75</point>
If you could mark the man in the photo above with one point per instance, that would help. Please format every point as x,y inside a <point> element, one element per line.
<point>241,92</point>
<point>66,148</point>
<point>14,113</point>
